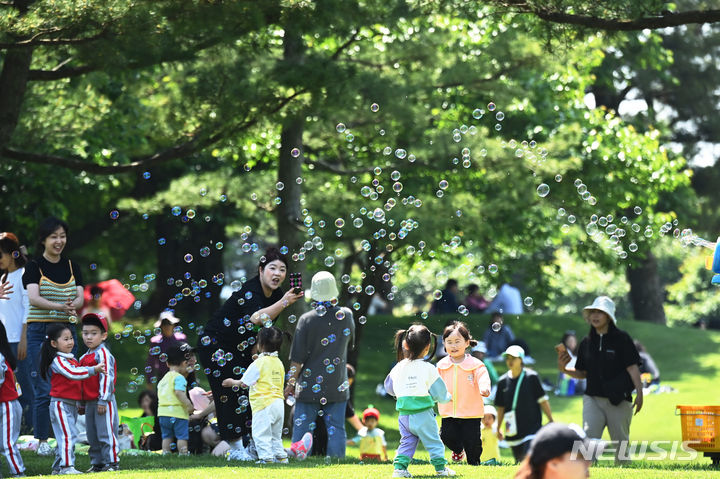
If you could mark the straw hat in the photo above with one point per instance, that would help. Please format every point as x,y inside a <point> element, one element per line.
<point>323,287</point>
<point>601,303</point>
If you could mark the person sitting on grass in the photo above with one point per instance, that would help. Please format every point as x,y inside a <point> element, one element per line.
<point>174,407</point>
<point>370,438</point>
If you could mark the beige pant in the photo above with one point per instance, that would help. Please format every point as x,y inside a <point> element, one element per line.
<point>598,413</point>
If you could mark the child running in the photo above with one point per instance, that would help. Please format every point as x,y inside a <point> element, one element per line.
<point>101,414</point>
<point>468,381</point>
<point>266,379</point>
<point>66,374</point>
<point>10,409</point>
<point>417,386</point>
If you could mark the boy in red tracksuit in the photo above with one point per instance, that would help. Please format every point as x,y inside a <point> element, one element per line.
<point>66,374</point>
<point>101,413</point>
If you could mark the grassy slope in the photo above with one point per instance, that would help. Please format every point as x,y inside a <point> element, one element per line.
<point>689,360</point>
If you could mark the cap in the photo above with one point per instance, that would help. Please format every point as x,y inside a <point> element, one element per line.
<point>323,287</point>
<point>168,316</point>
<point>480,347</point>
<point>601,303</point>
<point>371,412</point>
<point>490,410</point>
<point>95,320</point>
<point>515,351</point>
<point>556,439</point>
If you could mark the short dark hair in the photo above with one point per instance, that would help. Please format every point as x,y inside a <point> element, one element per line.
<point>451,283</point>
<point>96,291</point>
<point>472,288</point>
<point>179,353</point>
<point>270,339</point>
<point>48,227</point>
<point>272,254</point>
<point>10,244</point>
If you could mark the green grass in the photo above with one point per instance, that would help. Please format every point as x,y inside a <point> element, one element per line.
<point>689,361</point>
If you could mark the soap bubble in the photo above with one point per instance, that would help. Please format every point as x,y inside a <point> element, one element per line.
<point>558,178</point>
<point>374,107</point>
<point>329,261</point>
<point>543,190</point>
<point>478,113</point>
<point>528,301</point>
<point>340,128</point>
<point>496,327</point>
<point>188,258</point>
<point>491,106</point>
<point>493,268</point>
<point>637,210</point>
<point>114,214</point>
<point>295,152</point>
<point>500,116</point>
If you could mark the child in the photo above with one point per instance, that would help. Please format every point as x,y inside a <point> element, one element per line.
<point>101,414</point>
<point>371,438</point>
<point>468,381</point>
<point>417,386</point>
<point>490,450</point>
<point>266,379</point>
<point>10,409</point>
<point>57,361</point>
<point>174,407</point>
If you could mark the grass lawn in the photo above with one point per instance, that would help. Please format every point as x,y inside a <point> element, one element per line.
<point>689,361</point>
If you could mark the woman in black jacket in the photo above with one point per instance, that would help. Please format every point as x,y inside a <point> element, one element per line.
<point>226,345</point>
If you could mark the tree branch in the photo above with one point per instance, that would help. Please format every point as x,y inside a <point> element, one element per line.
<point>51,75</point>
<point>616,24</point>
<point>195,143</point>
<point>36,41</point>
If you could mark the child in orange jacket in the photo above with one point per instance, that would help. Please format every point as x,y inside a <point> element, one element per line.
<point>468,381</point>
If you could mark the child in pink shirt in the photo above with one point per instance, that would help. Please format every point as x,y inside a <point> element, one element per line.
<point>468,381</point>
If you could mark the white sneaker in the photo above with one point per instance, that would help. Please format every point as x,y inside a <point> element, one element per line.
<point>445,472</point>
<point>281,460</point>
<point>239,454</point>
<point>44,449</point>
<point>68,470</point>
<point>251,450</point>
<point>401,473</point>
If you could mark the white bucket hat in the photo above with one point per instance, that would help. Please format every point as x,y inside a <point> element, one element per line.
<point>323,287</point>
<point>601,303</point>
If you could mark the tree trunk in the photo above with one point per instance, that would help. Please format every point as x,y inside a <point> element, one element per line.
<point>288,213</point>
<point>13,83</point>
<point>646,292</point>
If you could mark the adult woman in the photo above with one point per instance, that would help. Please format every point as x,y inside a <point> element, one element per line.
<point>609,361</point>
<point>551,455</point>
<point>225,347</point>
<point>13,314</point>
<point>55,290</point>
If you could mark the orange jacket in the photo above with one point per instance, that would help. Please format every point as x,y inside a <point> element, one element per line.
<point>464,381</point>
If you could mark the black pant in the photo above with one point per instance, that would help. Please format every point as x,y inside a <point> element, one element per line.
<point>463,434</point>
<point>520,451</point>
<point>233,423</point>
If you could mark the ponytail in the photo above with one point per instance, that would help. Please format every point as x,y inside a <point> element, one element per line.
<point>48,351</point>
<point>397,341</point>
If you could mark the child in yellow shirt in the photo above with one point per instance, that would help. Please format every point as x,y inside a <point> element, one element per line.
<point>491,450</point>
<point>266,378</point>
<point>371,438</point>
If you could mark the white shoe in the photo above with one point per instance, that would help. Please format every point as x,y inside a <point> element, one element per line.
<point>251,450</point>
<point>445,472</point>
<point>239,454</point>
<point>68,470</point>
<point>44,449</point>
<point>401,473</point>
<point>282,460</point>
